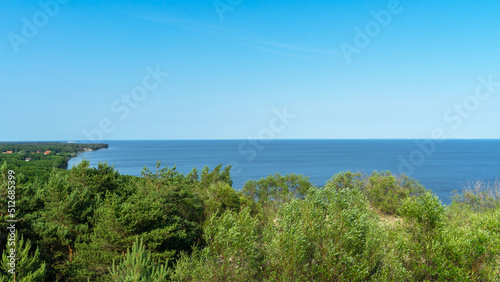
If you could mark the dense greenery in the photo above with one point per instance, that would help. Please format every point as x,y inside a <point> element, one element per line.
<point>93,223</point>
<point>50,146</point>
<point>31,159</point>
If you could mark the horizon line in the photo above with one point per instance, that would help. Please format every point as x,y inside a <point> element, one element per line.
<point>229,139</point>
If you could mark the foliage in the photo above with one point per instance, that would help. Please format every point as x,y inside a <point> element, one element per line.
<point>28,265</point>
<point>479,196</point>
<point>384,191</point>
<point>57,147</point>
<point>346,179</point>
<point>85,223</point>
<point>31,160</point>
<point>387,192</point>
<point>329,236</point>
<point>232,252</point>
<point>138,266</point>
<point>274,191</point>
<point>440,247</point>
<point>220,197</point>
<point>156,208</point>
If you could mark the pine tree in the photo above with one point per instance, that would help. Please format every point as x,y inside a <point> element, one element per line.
<point>3,169</point>
<point>28,267</point>
<point>138,266</point>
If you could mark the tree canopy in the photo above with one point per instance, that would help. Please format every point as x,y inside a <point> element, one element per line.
<point>94,223</point>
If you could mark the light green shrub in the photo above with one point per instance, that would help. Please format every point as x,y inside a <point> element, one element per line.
<point>232,252</point>
<point>329,236</point>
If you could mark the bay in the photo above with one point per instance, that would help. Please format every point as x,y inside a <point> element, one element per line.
<point>441,167</point>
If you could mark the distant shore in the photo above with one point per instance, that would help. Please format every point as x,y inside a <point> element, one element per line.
<point>84,150</point>
<point>97,147</point>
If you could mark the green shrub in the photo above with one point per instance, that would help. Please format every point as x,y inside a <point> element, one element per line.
<point>384,191</point>
<point>472,242</point>
<point>479,196</point>
<point>219,197</point>
<point>329,236</point>
<point>441,246</point>
<point>387,192</point>
<point>232,252</point>
<point>138,266</point>
<point>346,179</point>
<point>274,191</point>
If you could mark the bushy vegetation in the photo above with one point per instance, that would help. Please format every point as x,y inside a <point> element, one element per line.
<point>30,158</point>
<point>383,190</point>
<point>56,147</point>
<point>93,223</point>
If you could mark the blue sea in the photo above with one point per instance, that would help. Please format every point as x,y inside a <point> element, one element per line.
<point>442,167</point>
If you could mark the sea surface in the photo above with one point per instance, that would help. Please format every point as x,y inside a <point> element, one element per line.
<point>442,167</point>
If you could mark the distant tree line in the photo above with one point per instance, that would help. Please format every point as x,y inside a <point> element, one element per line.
<point>30,158</point>
<point>56,147</point>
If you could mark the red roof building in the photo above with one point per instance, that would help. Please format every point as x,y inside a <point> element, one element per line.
<point>46,153</point>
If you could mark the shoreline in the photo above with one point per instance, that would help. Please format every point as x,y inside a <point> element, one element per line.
<point>85,150</point>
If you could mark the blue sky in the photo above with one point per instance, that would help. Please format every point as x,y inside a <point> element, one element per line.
<point>67,66</point>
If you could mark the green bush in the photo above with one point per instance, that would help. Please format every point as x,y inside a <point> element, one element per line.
<point>479,196</point>
<point>346,179</point>
<point>232,252</point>
<point>472,240</point>
<point>274,191</point>
<point>329,236</point>
<point>384,191</point>
<point>387,192</point>
<point>446,244</point>
<point>138,266</point>
<point>85,222</point>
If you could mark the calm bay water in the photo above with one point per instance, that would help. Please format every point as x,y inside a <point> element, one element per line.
<point>445,167</point>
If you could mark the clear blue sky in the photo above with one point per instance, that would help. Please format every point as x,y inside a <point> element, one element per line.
<point>228,70</point>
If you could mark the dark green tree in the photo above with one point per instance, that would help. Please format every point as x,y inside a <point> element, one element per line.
<point>28,265</point>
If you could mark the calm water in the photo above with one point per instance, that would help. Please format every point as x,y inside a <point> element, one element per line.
<point>441,167</point>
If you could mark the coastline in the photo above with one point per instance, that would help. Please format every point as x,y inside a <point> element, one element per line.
<point>84,150</point>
